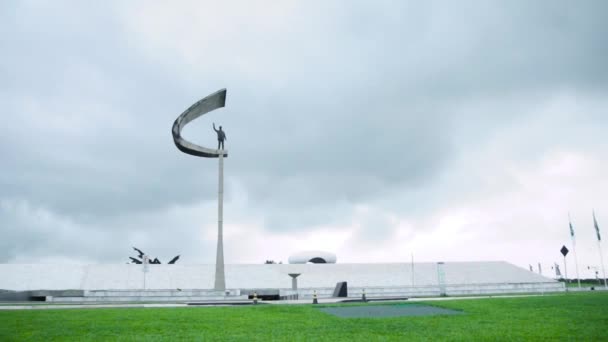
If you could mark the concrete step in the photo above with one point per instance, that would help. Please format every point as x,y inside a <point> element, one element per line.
<point>159,293</point>
<point>107,299</point>
<point>434,290</point>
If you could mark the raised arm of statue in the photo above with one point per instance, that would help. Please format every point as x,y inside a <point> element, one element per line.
<point>214,127</point>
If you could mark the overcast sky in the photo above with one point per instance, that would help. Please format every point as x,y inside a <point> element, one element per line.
<point>450,130</point>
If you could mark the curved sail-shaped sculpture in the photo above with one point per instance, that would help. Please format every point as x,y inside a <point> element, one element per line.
<point>204,106</point>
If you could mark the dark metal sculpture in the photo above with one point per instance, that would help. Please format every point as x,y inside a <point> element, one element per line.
<point>173,260</point>
<point>141,254</point>
<point>152,261</point>
<point>221,136</point>
<point>135,261</point>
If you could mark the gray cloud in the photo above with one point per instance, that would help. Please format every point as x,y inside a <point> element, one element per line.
<point>330,106</point>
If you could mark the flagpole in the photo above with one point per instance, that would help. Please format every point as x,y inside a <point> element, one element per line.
<point>566,273</point>
<point>599,246</point>
<point>412,269</point>
<point>576,264</point>
<point>578,278</point>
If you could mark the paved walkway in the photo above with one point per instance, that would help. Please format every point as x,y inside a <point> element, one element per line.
<point>85,306</point>
<point>29,306</point>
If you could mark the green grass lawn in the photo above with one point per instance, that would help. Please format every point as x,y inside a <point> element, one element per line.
<point>574,316</point>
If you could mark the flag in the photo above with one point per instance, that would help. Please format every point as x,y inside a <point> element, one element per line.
<point>571,229</point>
<point>597,228</point>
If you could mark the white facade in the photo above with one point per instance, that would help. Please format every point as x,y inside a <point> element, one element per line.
<point>245,276</point>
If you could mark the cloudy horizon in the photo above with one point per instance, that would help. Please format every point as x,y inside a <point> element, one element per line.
<point>465,131</point>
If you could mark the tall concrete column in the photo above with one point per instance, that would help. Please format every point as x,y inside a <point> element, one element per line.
<point>220,281</point>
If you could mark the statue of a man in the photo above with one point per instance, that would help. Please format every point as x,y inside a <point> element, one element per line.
<point>221,136</point>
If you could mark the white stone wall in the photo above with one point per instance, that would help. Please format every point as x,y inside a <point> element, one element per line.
<point>130,276</point>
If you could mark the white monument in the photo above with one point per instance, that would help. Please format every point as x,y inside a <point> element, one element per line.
<point>204,106</point>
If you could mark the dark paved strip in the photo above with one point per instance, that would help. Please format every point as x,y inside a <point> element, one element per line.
<point>226,303</point>
<point>375,299</point>
<point>388,311</point>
